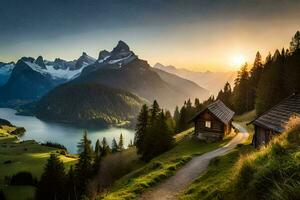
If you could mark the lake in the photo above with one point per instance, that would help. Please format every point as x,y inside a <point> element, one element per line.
<point>64,134</point>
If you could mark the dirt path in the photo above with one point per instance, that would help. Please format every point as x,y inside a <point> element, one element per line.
<point>168,189</point>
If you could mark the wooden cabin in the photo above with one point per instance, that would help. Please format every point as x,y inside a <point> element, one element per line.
<point>272,122</point>
<point>213,122</point>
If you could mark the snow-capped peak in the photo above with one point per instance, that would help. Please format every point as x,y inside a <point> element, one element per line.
<point>54,72</point>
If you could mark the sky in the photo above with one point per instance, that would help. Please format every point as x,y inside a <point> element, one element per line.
<point>201,35</point>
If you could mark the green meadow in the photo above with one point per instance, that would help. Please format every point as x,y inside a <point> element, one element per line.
<point>17,156</point>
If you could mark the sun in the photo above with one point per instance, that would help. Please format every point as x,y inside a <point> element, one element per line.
<point>237,60</point>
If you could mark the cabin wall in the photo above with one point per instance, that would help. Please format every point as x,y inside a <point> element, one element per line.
<point>214,133</point>
<point>227,129</point>
<point>262,136</point>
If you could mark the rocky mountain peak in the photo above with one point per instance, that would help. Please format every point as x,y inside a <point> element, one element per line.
<point>27,59</point>
<point>121,47</point>
<point>40,62</point>
<point>83,61</point>
<point>103,54</point>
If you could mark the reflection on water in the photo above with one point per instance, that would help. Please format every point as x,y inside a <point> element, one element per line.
<point>67,135</point>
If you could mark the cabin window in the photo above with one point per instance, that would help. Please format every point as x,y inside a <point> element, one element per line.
<point>208,124</point>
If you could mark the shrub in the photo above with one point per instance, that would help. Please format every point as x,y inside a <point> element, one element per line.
<point>19,131</point>
<point>115,166</point>
<point>23,178</point>
<point>7,162</point>
<point>54,145</point>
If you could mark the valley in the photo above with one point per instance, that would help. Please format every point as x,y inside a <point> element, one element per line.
<point>149,100</point>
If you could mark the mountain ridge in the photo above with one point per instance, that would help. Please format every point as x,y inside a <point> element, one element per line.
<point>212,81</point>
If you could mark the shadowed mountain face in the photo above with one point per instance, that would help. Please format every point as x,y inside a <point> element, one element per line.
<point>212,81</point>
<point>121,68</point>
<point>24,85</point>
<point>187,87</point>
<point>30,79</point>
<point>89,104</point>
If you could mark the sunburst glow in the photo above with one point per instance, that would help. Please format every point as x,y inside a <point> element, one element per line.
<point>238,60</point>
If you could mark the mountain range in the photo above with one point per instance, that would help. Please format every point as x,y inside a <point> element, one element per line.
<point>118,77</point>
<point>212,81</point>
<point>29,79</point>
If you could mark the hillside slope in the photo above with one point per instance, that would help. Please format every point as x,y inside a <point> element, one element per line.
<point>88,104</point>
<point>270,173</point>
<point>212,81</point>
<point>160,168</point>
<point>187,87</point>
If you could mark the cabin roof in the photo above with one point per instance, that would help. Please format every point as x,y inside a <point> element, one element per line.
<point>276,117</point>
<point>219,110</point>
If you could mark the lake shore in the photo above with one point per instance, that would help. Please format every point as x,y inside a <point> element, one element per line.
<point>65,134</point>
<point>29,156</point>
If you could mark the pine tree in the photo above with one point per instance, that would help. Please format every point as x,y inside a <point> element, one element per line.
<point>208,101</point>
<point>241,91</point>
<point>292,73</point>
<point>84,167</point>
<point>114,146</point>
<point>71,184</point>
<point>295,43</point>
<point>176,118</point>
<point>182,123</point>
<point>121,143</point>
<point>170,122</point>
<point>255,75</point>
<point>141,129</point>
<point>97,148</point>
<point>53,179</point>
<point>198,106</point>
<point>154,110</point>
<point>190,111</point>
<point>271,85</point>
<point>105,150</point>
<point>225,95</point>
<point>97,157</point>
<point>158,139</point>
<point>165,133</point>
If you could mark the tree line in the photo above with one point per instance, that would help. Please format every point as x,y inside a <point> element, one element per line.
<point>267,82</point>
<point>55,183</point>
<point>155,127</point>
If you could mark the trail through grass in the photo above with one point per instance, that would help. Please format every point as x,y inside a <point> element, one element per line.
<point>216,178</point>
<point>160,168</point>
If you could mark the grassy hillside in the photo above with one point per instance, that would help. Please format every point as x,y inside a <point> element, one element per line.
<point>246,174</point>
<point>16,156</point>
<point>208,185</point>
<point>271,173</point>
<point>163,166</point>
